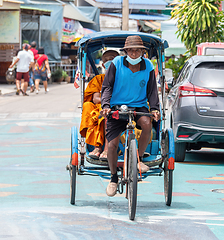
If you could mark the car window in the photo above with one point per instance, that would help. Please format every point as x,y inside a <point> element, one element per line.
<point>209,75</point>
<point>214,51</point>
<point>182,73</point>
<point>186,74</point>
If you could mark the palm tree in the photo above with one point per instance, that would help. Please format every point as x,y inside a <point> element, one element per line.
<point>198,21</point>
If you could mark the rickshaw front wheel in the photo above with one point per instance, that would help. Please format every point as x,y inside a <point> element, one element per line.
<point>132,179</point>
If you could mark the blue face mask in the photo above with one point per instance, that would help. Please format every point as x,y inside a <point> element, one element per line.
<point>107,64</point>
<point>134,61</point>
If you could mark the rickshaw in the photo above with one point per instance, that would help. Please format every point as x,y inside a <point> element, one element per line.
<point>161,148</point>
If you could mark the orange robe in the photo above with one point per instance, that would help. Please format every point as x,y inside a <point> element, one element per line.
<point>91,127</point>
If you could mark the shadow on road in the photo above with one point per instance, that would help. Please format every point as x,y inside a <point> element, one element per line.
<point>205,156</point>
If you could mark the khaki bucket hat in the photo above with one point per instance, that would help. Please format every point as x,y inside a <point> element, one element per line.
<point>134,41</point>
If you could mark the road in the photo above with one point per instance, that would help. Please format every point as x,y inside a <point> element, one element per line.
<point>35,190</point>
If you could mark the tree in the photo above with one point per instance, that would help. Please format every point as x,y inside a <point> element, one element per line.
<point>198,21</point>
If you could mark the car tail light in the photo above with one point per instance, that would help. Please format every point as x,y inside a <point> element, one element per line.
<point>183,136</point>
<point>189,89</point>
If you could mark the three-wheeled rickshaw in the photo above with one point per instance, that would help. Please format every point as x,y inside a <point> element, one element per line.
<point>160,150</point>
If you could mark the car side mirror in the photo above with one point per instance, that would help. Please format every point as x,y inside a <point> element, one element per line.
<point>170,82</point>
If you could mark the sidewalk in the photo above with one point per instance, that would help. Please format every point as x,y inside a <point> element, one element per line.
<point>7,88</point>
<point>11,88</point>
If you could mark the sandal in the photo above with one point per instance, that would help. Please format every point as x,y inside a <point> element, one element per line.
<point>95,153</point>
<point>103,156</point>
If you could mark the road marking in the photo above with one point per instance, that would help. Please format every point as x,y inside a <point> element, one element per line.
<point>33,115</point>
<point>40,115</point>
<point>3,115</point>
<point>57,149</point>
<point>66,156</point>
<point>216,178</point>
<point>6,194</point>
<point>4,185</point>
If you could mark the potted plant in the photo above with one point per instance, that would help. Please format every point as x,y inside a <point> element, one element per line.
<point>57,75</point>
<point>65,76</point>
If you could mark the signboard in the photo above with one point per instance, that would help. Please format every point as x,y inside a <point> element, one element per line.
<point>72,30</point>
<point>9,27</point>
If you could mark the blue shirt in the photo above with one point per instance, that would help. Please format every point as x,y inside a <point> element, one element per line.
<point>122,86</point>
<point>130,88</point>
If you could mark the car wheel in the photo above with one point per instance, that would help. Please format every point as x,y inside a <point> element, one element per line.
<point>180,149</point>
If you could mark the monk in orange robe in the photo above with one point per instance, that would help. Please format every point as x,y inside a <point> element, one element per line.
<point>92,127</point>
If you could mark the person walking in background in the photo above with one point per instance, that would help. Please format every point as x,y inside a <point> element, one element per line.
<point>35,52</point>
<point>13,60</point>
<point>41,69</point>
<point>24,60</point>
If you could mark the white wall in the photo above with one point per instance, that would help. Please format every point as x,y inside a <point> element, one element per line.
<point>108,23</point>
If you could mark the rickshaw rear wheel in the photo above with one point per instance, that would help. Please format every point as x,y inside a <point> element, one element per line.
<point>73,168</point>
<point>168,173</point>
<point>132,179</point>
<point>73,183</point>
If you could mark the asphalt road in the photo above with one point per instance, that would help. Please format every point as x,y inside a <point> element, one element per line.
<point>35,190</point>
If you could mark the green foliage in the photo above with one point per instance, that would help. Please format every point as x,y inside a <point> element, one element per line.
<point>198,21</point>
<point>57,74</point>
<point>64,74</point>
<point>176,65</point>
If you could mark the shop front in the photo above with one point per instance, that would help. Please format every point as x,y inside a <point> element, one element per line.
<point>9,34</point>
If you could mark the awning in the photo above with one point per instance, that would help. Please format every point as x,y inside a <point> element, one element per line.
<point>35,11</point>
<point>133,4</point>
<point>154,17</point>
<point>72,12</point>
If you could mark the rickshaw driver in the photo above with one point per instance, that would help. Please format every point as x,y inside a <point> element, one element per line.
<point>130,80</point>
<point>92,127</point>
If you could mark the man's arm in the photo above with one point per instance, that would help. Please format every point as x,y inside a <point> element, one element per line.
<point>13,64</point>
<point>152,95</point>
<point>107,87</point>
<point>152,92</point>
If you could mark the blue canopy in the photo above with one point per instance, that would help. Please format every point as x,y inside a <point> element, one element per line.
<point>116,39</point>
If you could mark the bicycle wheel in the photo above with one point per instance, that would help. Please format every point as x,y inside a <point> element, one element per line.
<point>73,184</point>
<point>132,179</point>
<point>73,163</point>
<point>168,166</point>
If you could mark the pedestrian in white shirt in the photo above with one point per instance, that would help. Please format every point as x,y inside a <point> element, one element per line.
<point>25,61</point>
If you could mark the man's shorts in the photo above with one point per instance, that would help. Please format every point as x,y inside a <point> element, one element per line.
<point>40,75</point>
<point>116,126</point>
<point>25,76</point>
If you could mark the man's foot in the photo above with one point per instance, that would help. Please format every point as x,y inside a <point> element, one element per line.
<point>144,168</point>
<point>17,92</point>
<point>47,90</point>
<point>111,189</point>
<point>32,89</point>
<point>25,94</point>
<point>21,91</point>
<point>103,156</point>
<point>95,153</point>
<point>37,91</point>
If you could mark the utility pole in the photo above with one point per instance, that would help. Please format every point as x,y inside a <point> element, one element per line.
<point>125,15</point>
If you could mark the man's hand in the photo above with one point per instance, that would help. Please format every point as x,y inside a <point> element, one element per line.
<point>105,112</point>
<point>156,115</point>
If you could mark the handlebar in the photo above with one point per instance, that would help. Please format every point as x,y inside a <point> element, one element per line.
<point>131,112</point>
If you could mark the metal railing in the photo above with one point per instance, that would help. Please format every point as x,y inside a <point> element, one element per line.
<point>68,68</point>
